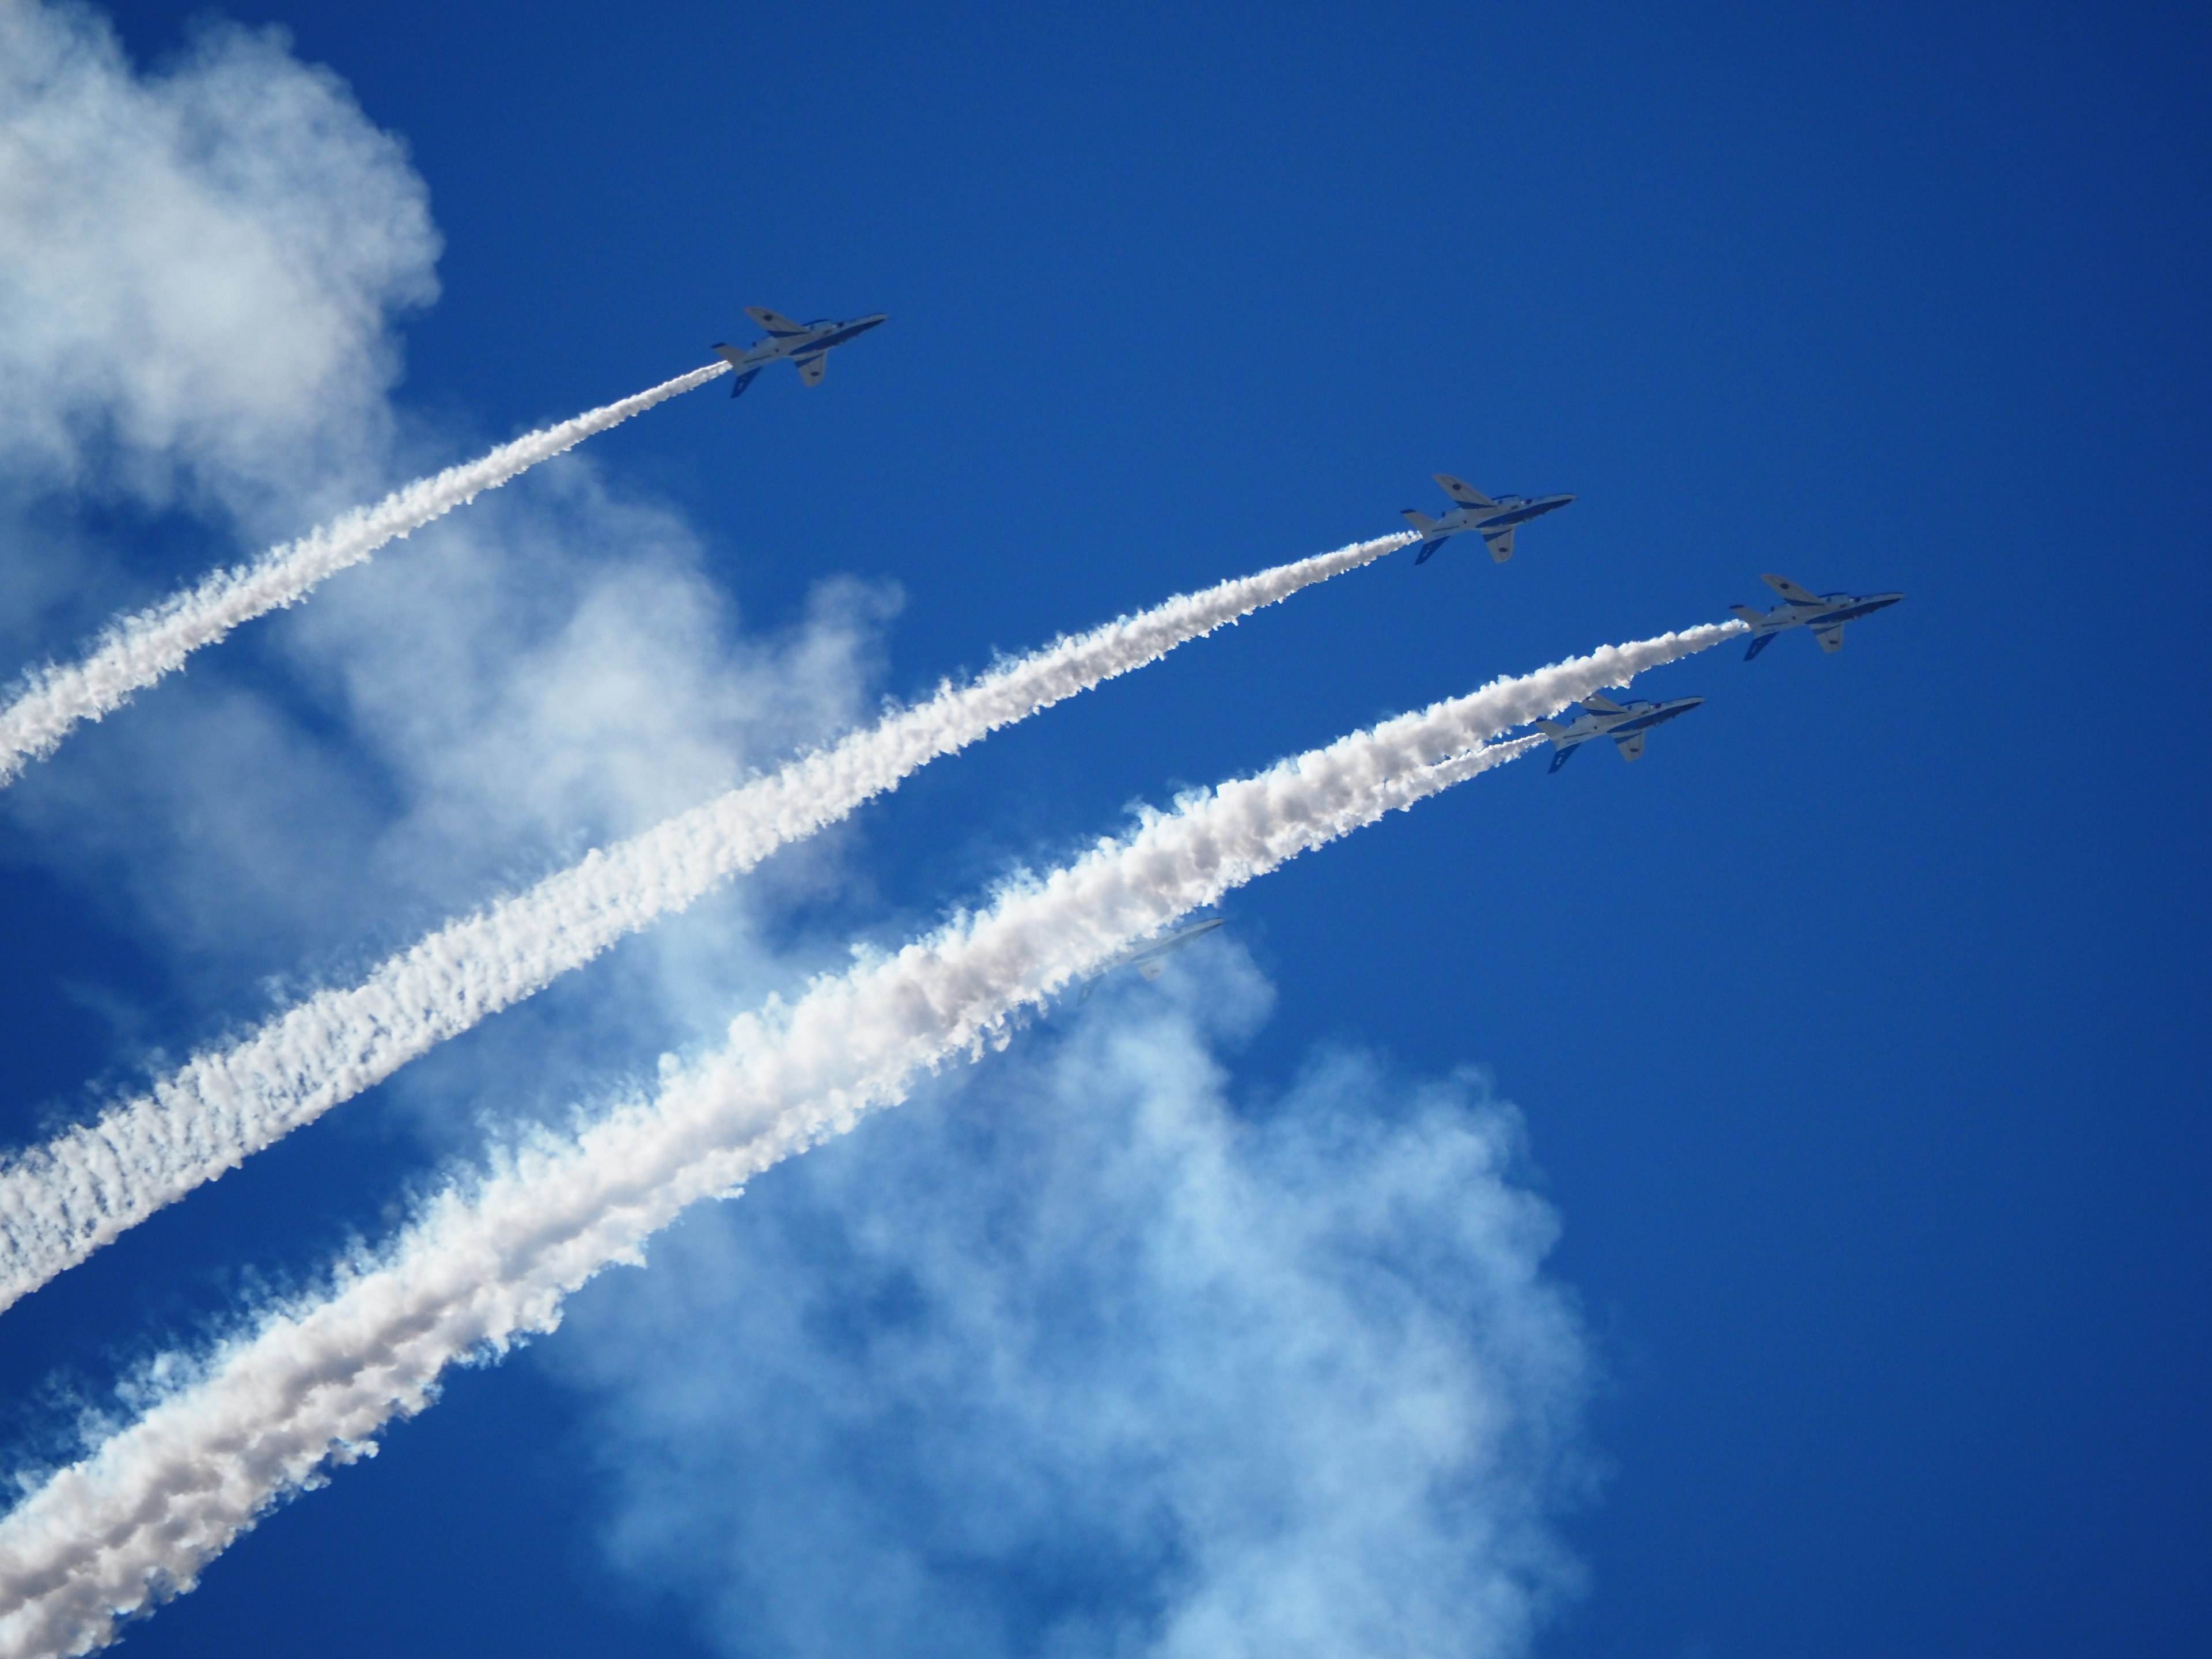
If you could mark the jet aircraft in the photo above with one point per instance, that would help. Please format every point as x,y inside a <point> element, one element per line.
<point>1625,723</point>
<point>1824,613</point>
<point>1148,957</point>
<point>1494,521</point>
<point>804,343</point>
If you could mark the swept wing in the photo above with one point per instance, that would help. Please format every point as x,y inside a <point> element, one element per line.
<point>774,321</point>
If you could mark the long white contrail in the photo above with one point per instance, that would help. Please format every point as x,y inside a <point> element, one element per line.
<point>62,1200</point>
<point>493,1259</point>
<point>138,649</point>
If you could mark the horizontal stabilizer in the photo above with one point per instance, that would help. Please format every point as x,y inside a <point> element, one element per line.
<point>1500,543</point>
<point>1551,729</point>
<point>1744,611</point>
<point>738,385</point>
<point>1760,645</point>
<point>1429,545</point>
<point>773,321</point>
<point>1419,520</point>
<point>1598,705</point>
<point>1465,494</point>
<point>1563,757</point>
<point>1830,639</point>
<point>1632,746</point>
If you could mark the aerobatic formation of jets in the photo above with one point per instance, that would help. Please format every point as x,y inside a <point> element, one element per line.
<point>1472,512</point>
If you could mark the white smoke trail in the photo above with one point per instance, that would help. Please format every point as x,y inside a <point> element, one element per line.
<point>61,1201</point>
<point>138,649</point>
<point>136,1522</point>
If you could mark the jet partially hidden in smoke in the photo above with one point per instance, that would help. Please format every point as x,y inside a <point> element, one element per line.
<point>1148,957</point>
<point>1625,723</point>
<point>806,344</point>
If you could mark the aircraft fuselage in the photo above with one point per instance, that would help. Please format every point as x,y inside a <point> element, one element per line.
<point>1624,723</point>
<point>1509,510</point>
<point>816,337</point>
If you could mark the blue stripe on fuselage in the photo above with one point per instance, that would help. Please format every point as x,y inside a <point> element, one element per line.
<point>1519,515</point>
<point>1852,611</point>
<point>1654,718</point>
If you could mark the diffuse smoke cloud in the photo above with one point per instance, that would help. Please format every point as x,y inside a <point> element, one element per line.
<point>493,1260</point>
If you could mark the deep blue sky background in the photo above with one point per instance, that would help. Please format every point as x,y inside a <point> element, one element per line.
<point>1860,1029</point>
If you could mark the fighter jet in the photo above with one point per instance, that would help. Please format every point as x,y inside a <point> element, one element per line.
<point>1148,957</point>
<point>1494,521</point>
<point>1824,613</point>
<point>804,343</point>
<point>1625,723</point>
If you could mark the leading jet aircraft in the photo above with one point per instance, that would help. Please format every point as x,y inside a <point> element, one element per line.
<point>1494,521</point>
<point>1824,613</point>
<point>1625,723</point>
<point>1149,957</point>
<point>804,343</point>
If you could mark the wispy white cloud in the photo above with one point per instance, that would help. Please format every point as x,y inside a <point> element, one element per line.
<point>1082,1359</point>
<point>201,264</point>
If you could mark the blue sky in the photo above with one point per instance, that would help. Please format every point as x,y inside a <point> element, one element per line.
<point>1856,1033</point>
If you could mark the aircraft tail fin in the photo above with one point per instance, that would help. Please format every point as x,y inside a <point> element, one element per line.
<point>1760,645</point>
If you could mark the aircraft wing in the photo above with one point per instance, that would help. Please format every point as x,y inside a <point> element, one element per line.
<point>1152,970</point>
<point>1790,591</point>
<point>1830,639</point>
<point>773,321</point>
<point>1598,705</point>
<point>1632,746</point>
<point>1500,543</point>
<point>1466,494</point>
<point>811,369</point>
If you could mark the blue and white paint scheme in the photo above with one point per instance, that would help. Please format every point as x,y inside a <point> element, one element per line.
<point>804,343</point>
<point>1824,613</point>
<point>1495,521</point>
<point>1148,957</point>
<point>1625,723</point>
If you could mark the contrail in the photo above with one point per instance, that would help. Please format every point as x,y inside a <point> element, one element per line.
<point>138,649</point>
<point>493,1259</point>
<point>61,1201</point>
